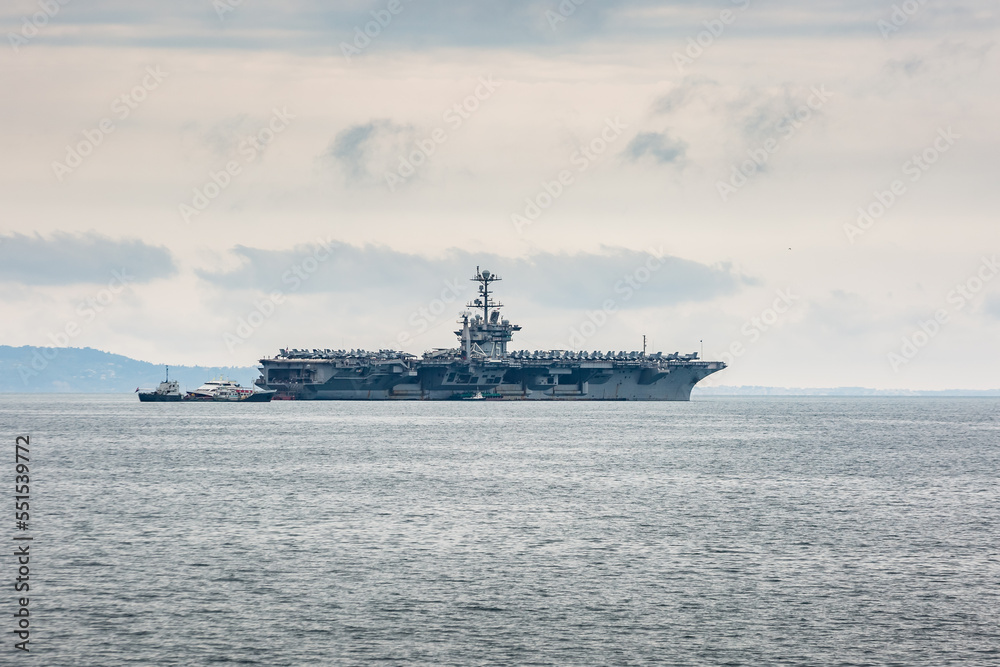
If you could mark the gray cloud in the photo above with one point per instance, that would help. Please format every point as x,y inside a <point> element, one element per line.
<point>367,150</point>
<point>681,94</point>
<point>311,24</point>
<point>992,306</point>
<point>224,137</point>
<point>581,280</point>
<point>657,145</point>
<point>65,259</point>
<point>946,62</point>
<point>752,114</point>
<point>766,114</point>
<point>908,67</point>
<point>349,146</point>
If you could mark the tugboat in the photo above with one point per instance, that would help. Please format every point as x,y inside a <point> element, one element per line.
<point>476,396</point>
<point>169,390</point>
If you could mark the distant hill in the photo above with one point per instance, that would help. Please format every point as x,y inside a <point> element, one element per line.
<point>85,370</point>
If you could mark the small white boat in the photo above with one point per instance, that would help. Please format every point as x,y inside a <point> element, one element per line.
<point>229,391</point>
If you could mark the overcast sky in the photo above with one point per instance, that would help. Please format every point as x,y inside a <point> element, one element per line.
<point>809,188</point>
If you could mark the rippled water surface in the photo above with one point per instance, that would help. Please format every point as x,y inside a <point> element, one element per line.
<point>722,531</point>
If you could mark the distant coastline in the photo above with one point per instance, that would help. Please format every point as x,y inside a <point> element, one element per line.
<point>34,370</point>
<point>39,370</point>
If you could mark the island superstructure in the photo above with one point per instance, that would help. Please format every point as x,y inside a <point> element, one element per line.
<point>482,367</point>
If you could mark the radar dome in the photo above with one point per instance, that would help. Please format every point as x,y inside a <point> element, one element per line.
<point>486,274</point>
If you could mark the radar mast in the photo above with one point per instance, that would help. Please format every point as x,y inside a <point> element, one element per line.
<point>484,278</point>
<point>486,334</point>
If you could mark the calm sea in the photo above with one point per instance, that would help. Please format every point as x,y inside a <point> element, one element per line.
<point>725,531</point>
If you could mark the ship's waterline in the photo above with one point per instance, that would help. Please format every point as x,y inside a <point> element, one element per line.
<point>483,367</point>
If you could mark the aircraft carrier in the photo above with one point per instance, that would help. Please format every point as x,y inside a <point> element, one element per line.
<point>481,367</point>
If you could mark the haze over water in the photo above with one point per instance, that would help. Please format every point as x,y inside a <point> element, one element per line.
<point>721,531</point>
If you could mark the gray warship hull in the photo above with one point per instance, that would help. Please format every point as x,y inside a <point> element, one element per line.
<point>640,380</point>
<point>482,367</point>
